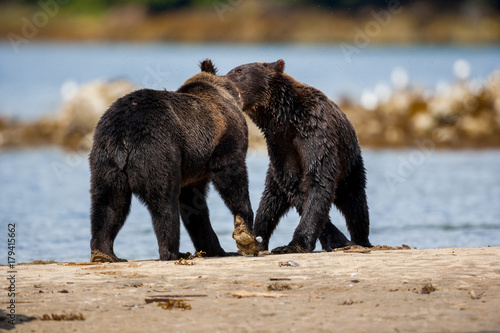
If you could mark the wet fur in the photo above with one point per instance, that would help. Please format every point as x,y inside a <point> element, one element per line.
<point>166,147</point>
<point>315,159</point>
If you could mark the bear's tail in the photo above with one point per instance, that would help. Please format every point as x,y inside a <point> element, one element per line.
<point>119,152</point>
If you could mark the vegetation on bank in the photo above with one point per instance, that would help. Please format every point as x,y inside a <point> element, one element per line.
<point>355,22</point>
<point>464,115</point>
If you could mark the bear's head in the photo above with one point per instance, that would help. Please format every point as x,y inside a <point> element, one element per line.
<point>252,80</point>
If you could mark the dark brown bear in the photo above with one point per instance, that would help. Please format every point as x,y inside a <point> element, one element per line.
<point>315,159</point>
<point>165,147</point>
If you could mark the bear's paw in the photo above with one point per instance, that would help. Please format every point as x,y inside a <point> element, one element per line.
<point>245,241</point>
<point>98,256</point>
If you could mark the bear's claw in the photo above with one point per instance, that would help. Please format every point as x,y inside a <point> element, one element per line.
<point>245,241</point>
<point>98,256</point>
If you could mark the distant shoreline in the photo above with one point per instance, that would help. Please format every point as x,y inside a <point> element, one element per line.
<point>463,116</point>
<point>253,22</point>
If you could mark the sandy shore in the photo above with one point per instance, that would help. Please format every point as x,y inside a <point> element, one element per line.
<point>438,290</point>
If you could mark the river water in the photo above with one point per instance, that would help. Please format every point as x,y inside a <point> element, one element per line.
<point>424,198</point>
<point>31,79</point>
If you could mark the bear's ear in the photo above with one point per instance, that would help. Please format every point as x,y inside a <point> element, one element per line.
<point>207,66</point>
<point>277,66</point>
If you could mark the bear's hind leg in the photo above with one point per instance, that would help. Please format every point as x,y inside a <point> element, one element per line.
<point>273,205</point>
<point>313,213</point>
<point>154,171</point>
<point>195,216</point>
<point>111,199</point>
<point>332,238</point>
<point>350,199</point>
<point>163,205</point>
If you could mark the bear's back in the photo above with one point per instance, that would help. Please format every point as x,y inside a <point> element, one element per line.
<point>146,115</point>
<point>192,121</point>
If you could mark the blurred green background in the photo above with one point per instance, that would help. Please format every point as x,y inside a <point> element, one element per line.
<point>319,21</point>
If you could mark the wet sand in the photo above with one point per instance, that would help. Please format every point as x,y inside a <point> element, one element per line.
<point>437,290</point>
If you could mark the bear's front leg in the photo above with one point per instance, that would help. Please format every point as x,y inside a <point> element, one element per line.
<point>332,238</point>
<point>273,205</point>
<point>313,219</point>
<point>195,215</point>
<point>230,178</point>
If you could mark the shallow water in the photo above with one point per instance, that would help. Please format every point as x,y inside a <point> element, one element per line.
<point>422,198</point>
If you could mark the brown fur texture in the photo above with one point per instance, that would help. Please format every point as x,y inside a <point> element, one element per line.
<point>315,159</point>
<point>166,147</point>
